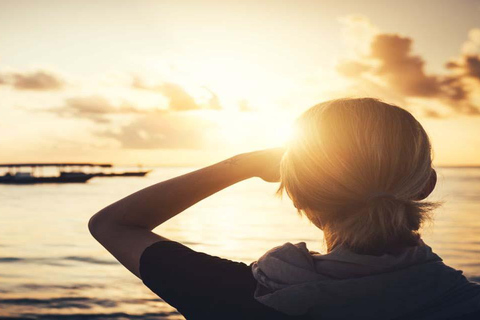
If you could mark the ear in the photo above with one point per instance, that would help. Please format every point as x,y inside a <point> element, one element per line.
<point>429,187</point>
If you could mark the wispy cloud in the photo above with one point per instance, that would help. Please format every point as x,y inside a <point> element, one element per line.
<point>178,126</point>
<point>165,130</point>
<point>95,108</point>
<point>179,99</point>
<point>40,80</point>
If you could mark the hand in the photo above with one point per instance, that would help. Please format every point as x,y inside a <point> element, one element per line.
<point>264,164</point>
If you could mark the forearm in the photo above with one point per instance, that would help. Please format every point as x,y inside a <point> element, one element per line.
<point>124,227</point>
<point>156,204</point>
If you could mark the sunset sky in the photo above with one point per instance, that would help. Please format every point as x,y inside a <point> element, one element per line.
<point>191,82</point>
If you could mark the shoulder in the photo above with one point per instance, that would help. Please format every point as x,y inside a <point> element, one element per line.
<point>200,285</point>
<point>287,253</point>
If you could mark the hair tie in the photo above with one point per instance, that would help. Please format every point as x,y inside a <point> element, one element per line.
<point>377,195</point>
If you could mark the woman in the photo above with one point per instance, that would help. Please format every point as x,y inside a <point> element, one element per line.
<point>359,169</point>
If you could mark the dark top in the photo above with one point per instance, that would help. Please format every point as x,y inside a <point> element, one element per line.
<point>201,286</point>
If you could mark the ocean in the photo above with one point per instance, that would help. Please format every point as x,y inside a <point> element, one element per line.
<point>51,268</point>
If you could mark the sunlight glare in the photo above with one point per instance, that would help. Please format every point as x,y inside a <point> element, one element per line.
<point>255,131</point>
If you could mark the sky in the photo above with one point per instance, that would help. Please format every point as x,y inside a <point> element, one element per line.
<point>193,82</point>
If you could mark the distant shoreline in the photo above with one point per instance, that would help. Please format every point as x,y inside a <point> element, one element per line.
<point>454,166</point>
<point>460,166</point>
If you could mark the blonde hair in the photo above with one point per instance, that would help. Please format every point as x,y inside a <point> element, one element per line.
<point>355,169</point>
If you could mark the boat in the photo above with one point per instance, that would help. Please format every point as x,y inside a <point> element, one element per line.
<point>67,173</point>
<point>123,174</point>
<point>15,175</point>
<point>28,178</point>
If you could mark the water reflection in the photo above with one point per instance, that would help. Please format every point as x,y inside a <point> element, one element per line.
<point>51,268</point>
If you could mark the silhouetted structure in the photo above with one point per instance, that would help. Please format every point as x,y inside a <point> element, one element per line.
<point>68,173</point>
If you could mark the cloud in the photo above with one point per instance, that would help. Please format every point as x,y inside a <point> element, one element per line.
<point>40,80</point>
<point>357,32</point>
<point>430,113</point>
<point>403,71</point>
<point>472,45</point>
<point>352,69</point>
<point>95,108</point>
<point>468,66</point>
<point>179,99</point>
<point>214,101</point>
<point>244,106</point>
<point>390,61</point>
<point>170,128</point>
<point>166,130</point>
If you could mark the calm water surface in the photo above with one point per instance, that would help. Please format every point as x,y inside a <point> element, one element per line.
<point>51,268</point>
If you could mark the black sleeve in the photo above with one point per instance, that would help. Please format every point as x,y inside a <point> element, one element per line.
<point>201,286</point>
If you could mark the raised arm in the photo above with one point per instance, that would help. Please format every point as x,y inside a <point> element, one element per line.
<point>124,227</point>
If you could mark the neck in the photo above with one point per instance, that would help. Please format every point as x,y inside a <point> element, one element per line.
<point>377,249</point>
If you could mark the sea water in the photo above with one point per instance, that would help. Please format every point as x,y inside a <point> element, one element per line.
<point>51,267</point>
